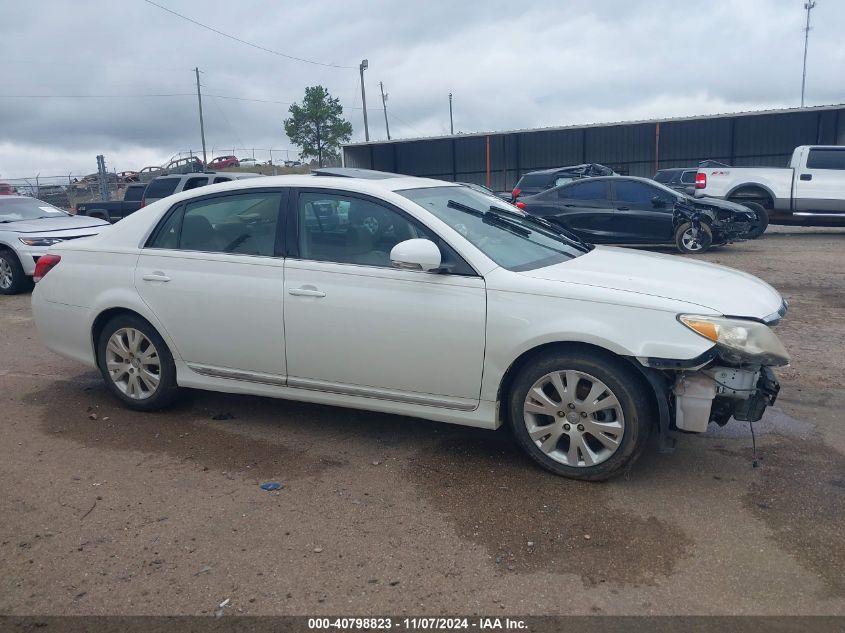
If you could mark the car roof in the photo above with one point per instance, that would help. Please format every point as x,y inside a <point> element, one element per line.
<point>355,172</point>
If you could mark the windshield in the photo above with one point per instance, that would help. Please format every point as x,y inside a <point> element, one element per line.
<point>505,234</point>
<point>17,209</point>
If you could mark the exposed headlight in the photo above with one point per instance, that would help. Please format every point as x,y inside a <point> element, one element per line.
<point>40,241</point>
<point>739,340</point>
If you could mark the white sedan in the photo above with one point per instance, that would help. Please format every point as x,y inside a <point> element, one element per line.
<point>415,297</point>
<point>28,227</point>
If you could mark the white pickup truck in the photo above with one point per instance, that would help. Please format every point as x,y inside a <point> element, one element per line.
<point>811,191</point>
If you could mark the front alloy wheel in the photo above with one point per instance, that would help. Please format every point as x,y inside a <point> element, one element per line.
<point>580,412</point>
<point>690,239</point>
<point>574,418</point>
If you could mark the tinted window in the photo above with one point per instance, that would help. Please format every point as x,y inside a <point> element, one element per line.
<point>663,176</point>
<point>587,190</point>
<point>688,177</point>
<point>193,183</point>
<point>633,192</point>
<point>534,181</point>
<point>161,187</point>
<point>133,194</point>
<point>221,179</point>
<point>337,228</point>
<point>243,224</point>
<point>826,159</point>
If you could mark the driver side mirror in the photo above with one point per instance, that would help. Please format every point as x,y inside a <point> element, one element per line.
<point>416,254</point>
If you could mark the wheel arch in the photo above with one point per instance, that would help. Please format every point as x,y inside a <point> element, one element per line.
<point>573,346</point>
<point>107,315</point>
<point>753,188</point>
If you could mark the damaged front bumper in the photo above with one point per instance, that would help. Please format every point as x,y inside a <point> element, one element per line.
<point>717,393</point>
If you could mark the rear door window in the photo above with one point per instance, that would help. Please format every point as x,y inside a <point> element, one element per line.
<point>826,159</point>
<point>193,183</point>
<point>587,190</point>
<point>161,187</point>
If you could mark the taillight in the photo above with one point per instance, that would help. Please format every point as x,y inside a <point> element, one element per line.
<point>143,203</point>
<point>520,204</point>
<point>44,265</point>
<point>515,193</point>
<point>700,180</point>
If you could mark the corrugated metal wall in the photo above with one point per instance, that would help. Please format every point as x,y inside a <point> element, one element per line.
<point>743,140</point>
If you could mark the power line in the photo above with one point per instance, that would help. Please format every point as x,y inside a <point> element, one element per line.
<point>237,39</point>
<point>136,96</point>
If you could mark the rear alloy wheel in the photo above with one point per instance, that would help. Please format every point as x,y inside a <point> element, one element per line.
<point>136,364</point>
<point>579,415</point>
<point>12,277</point>
<point>689,239</point>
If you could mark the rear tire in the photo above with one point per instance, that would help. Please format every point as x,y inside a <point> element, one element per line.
<point>136,364</point>
<point>13,279</point>
<point>688,240</point>
<point>761,223</point>
<point>580,414</point>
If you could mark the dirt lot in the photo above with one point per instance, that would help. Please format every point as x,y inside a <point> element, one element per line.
<point>105,511</point>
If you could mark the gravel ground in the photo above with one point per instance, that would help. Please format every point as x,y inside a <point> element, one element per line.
<point>106,511</point>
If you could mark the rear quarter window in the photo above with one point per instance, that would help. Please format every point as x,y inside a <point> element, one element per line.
<point>161,187</point>
<point>534,181</point>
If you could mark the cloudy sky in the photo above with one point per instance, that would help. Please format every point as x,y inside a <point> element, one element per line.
<point>77,76</point>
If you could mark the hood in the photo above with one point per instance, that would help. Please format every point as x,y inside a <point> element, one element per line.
<point>724,290</point>
<point>57,227</point>
<point>723,205</point>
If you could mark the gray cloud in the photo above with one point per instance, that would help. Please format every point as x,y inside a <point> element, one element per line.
<point>508,66</point>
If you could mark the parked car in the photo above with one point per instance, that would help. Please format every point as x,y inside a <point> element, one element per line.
<point>458,308</point>
<point>222,162</point>
<point>128,176</point>
<point>163,186</point>
<point>148,173</point>
<point>810,192</point>
<point>187,165</point>
<point>28,227</point>
<point>7,190</point>
<point>536,181</point>
<point>251,162</point>
<point>293,163</point>
<point>630,210</point>
<point>678,178</point>
<point>114,210</point>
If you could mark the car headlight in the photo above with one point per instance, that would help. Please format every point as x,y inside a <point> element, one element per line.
<point>739,340</point>
<point>40,241</point>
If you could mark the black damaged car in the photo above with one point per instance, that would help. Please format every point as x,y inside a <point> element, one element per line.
<point>630,210</point>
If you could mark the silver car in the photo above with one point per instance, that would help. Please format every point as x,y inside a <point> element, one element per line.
<point>28,227</point>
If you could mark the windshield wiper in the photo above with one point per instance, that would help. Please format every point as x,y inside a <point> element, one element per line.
<point>488,217</point>
<point>548,224</point>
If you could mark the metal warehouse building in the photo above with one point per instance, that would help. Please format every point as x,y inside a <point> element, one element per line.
<point>637,148</point>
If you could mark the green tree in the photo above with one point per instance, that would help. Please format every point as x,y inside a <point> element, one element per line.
<point>317,125</point>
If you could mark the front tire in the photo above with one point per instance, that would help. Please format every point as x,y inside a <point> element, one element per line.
<point>691,240</point>
<point>761,219</point>
<point>579,414</point>
<point>13,279</point>
<point>136,364</point>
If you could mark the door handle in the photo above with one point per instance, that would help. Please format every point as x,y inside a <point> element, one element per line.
<point>156,276</point>
<point>806,176</point>
<point>306,292</point>
<point>623,208</point>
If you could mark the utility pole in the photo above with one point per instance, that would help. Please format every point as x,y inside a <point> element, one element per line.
<point>384,105</point>
<point>809,7</point>
<point>202,125</point>
<point>362,68</point>
<point>451,122</point>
